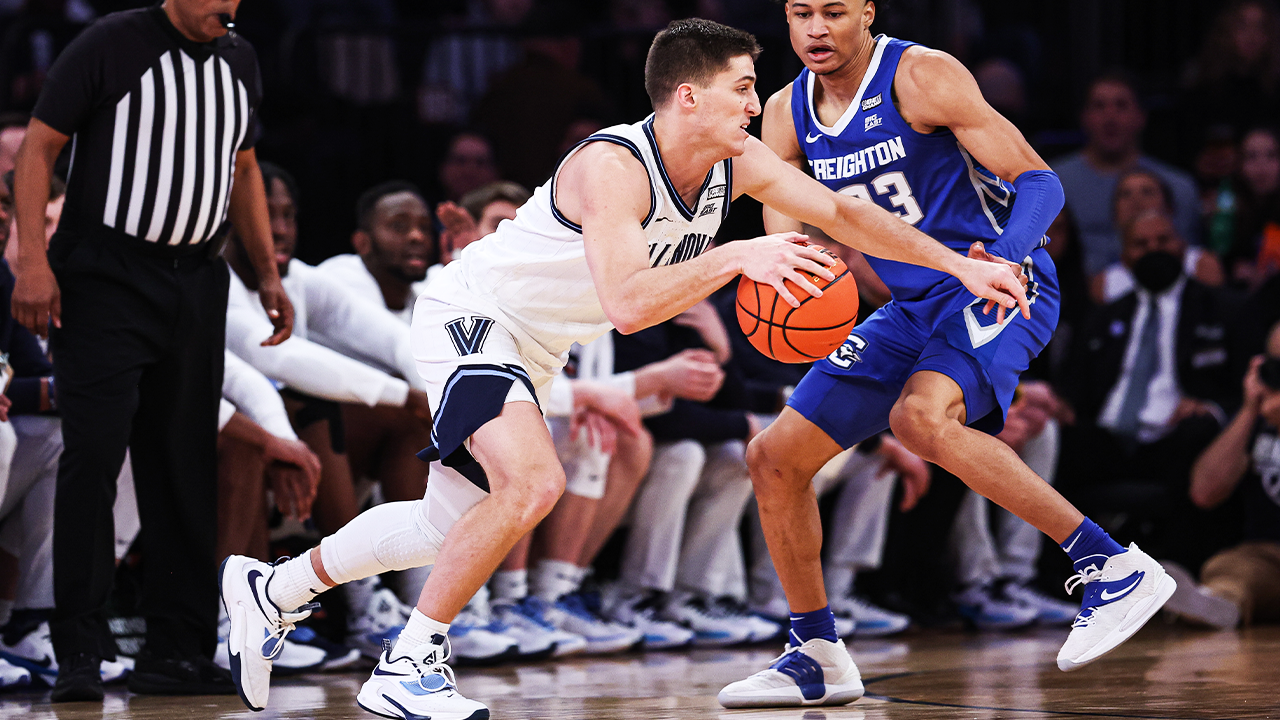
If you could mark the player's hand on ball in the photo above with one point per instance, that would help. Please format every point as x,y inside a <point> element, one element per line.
<point>774,259</point>
<point>998,282</point>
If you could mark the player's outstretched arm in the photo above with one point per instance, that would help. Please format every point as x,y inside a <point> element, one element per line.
<point>865,226</point>
<point>608,189</point>
<point>935,90</point>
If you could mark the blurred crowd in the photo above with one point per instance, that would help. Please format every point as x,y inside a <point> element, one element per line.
<point>1155,408</point>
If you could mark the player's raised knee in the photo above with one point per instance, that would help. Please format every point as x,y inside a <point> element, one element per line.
<point>767,461</point>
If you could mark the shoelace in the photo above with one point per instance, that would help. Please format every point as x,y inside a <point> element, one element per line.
<point>438,667</point>
<point>1084,577</point>
<point>288,623</point>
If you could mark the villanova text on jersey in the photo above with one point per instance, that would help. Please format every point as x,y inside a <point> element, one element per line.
<point>928,180</point>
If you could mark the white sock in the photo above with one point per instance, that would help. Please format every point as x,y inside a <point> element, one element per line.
<point>553,578</point>
<point>510,584</point>
<point>418,631</point>
<point>294,583</point>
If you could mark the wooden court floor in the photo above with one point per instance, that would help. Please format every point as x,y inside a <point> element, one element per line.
<point>1165,672</point>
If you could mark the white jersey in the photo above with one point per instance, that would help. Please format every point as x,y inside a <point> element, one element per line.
<point>531,275</point>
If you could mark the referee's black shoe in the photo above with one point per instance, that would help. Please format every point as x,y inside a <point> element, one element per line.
<point>79,679</point>
<point>179,676</point>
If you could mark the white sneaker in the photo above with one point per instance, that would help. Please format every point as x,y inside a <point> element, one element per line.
<point>114,671</point>
<point>293,658</point>
<point>534,609</point>
<point>1198,604</point>
<point>535,639</point>
<point>711,627</point>
<point>34,653</point>
<point>816,673</point>
<point>868,620</point>
<point>382,619</point>
<point>474,643</point>
<point>1049,611</point>
<point>640,612</point>
<point>761,629</point>
<point>983,608</point>
<point>571,614</point>
<point>418,685</point>
<point>258,627</point>
<point>12,676</point>
<point>1118,600</point>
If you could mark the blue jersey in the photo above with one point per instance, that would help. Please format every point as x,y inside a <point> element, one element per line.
<point>930,181</point>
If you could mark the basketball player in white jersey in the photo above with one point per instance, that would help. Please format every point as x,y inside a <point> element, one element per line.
<point>617,238</point>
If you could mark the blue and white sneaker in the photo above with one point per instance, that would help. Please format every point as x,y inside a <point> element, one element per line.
<point>711,626</point>
<point>816,673</point>
<point>336,655</point>
<point>525,620</point>
<point>1118,600</point>
<point>985,609</point>
<point>418,686</point>
<point>33,653</point>
<point>868,620</point>
<point>537,611</point>
<point>641,612</point>
<point>475,641</point>
<point>1049,611</point>
<point>258,627</point>
<point>761,629</point>
<point>572,614</point>
<point>13,677</point>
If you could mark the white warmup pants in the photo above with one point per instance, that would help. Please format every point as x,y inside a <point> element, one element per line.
<point>1013,549</point>
<point>684,531</point>
<point>26,513</point>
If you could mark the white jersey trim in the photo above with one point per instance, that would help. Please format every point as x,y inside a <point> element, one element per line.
<point>882,41</point>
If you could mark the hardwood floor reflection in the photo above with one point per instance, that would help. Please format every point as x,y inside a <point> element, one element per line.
<point>1165,672</point>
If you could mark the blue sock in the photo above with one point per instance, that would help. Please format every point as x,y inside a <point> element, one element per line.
<point>1090,545</point>
<point>806,626</point>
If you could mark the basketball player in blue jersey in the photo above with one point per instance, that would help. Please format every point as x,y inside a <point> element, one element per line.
<point>907,128</point>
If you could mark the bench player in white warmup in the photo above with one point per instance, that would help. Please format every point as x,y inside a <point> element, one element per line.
<point>617,238</point>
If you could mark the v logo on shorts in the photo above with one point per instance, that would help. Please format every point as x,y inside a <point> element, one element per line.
<point>469,341</point>
<point>979,334</point>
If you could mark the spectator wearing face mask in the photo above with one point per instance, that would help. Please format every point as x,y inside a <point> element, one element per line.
<point>1138,192</point>
<point>1152,379</point>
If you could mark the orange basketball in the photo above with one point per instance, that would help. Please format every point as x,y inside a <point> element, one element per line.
<point>804,334</point>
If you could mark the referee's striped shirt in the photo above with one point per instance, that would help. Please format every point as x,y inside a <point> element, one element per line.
<point>156,121</point>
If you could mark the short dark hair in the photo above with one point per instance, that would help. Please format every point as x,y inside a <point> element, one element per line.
<point>1166,192</point>
<point>477,200</point>
<point>272,171</point>
<point>1118,76</point>
<point>370,198</point>
<point>14,119</point>
<point>692,51</point>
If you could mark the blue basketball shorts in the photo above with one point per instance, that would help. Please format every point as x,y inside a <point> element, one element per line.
<point>850,393</point>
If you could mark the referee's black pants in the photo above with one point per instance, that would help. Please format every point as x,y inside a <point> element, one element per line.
<point>138,364</point>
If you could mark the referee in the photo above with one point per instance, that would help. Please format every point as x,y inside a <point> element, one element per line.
<point>161,107</point>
